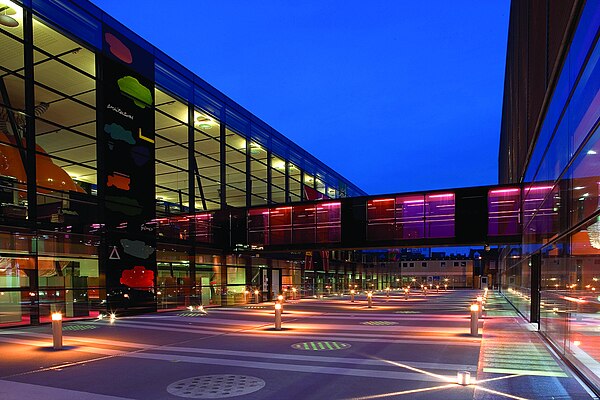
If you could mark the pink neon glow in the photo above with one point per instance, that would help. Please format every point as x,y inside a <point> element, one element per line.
<point>540,187</point>
<point>413,201</point>
<point>336,204</point>
<point>435,196</point>
<point>504,191</point>
<point>381,200</point>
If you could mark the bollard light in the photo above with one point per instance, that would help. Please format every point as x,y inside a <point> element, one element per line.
<point>463,378</point>
<point>370,299</point>
<point>445,286</point>
<point>280,298</point>
<point>57,342</point>
<point>112,317</point>
<point>437,287</point>
<point>294,291</point>
<point>406,294</point>
<point>278,316</point>
<point>352,292</point>
<point>256,292</point>
<point>475,319</point>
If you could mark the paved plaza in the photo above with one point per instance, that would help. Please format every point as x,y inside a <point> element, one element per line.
<point>328,348</point>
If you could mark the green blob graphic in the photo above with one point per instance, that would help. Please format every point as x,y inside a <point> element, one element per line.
<point>133,89</point>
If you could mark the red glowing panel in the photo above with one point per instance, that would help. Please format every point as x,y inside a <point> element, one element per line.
<point>137,278</point>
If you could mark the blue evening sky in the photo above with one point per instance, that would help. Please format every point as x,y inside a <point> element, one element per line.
<point>396,95</point>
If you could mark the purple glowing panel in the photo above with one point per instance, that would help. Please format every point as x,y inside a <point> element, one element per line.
<point>439,215</point>
<point>503,211</point>
<point>538,209</point>
<point>410,217</point>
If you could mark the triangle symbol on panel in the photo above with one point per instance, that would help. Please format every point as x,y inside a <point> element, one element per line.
<point>114,254</point>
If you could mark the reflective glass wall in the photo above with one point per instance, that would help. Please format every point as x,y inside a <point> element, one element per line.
<point>560,252</point>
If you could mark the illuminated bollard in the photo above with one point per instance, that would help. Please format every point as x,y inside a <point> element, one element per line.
<point>480,304</point>
<point>387,294</point>
<point>406,294</point>
<point>280,298</point>
<point>474,319</point>
<point>352,295</point>
<point>425,291</point>
<point>294,293</point>
<point>256,292</point>
<point>246,293</point>
<point>278,309</point>
<point>463,378</point>
<point>437,288</point>
<point>445,287</point>
<point>57,342</point>
<point>370,299</point>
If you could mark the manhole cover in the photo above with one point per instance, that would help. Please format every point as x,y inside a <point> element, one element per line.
<point>379,323</point>
<point>407,312</point>
<point>191,314</point>
<point>320,346</point>
<point>215,386</point>
<point>78,327</point>
<point>256,307</point>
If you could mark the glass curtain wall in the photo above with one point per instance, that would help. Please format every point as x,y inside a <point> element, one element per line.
<point>560,209</point>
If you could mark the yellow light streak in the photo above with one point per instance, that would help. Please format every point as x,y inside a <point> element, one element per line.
<point>510,396</point>
<point>378,396</point>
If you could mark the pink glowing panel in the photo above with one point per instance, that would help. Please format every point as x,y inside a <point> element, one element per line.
<point>380,219</point>
<point>329,222</point>
<point>304,223</point>
<point>280,220</point>
<point>258,226</point>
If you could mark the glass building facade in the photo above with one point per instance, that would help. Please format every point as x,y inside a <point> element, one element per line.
<point>115,161</point>
<point>552,277</point>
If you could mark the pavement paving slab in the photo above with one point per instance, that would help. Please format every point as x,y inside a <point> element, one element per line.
<point>328,349</point>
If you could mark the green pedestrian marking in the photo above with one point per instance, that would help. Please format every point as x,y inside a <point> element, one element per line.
<point>78,327</point>
<point>321,346</point>
<point>524,372</point>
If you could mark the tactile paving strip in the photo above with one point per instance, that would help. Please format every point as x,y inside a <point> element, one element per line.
<point>256,307</point>
<point>321,346</point>
<point>379,323</point>
<point>78,327</point>
<point>215,386</point>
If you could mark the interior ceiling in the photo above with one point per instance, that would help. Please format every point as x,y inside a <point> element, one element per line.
<point>79,116</point>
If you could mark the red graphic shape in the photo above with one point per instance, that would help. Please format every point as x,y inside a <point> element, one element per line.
<point>138,278</point>
<point>119,181</point>
<point>118,49</point>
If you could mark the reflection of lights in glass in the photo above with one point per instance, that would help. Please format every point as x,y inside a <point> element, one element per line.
<point>594,234</point>
<point>592,152</point>
<point>579,187</point>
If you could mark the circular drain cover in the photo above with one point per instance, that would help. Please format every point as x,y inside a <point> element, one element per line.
<point>320,346</point>
<point>215,386</point>
<point>78,327</point>
<point>379,323</point>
